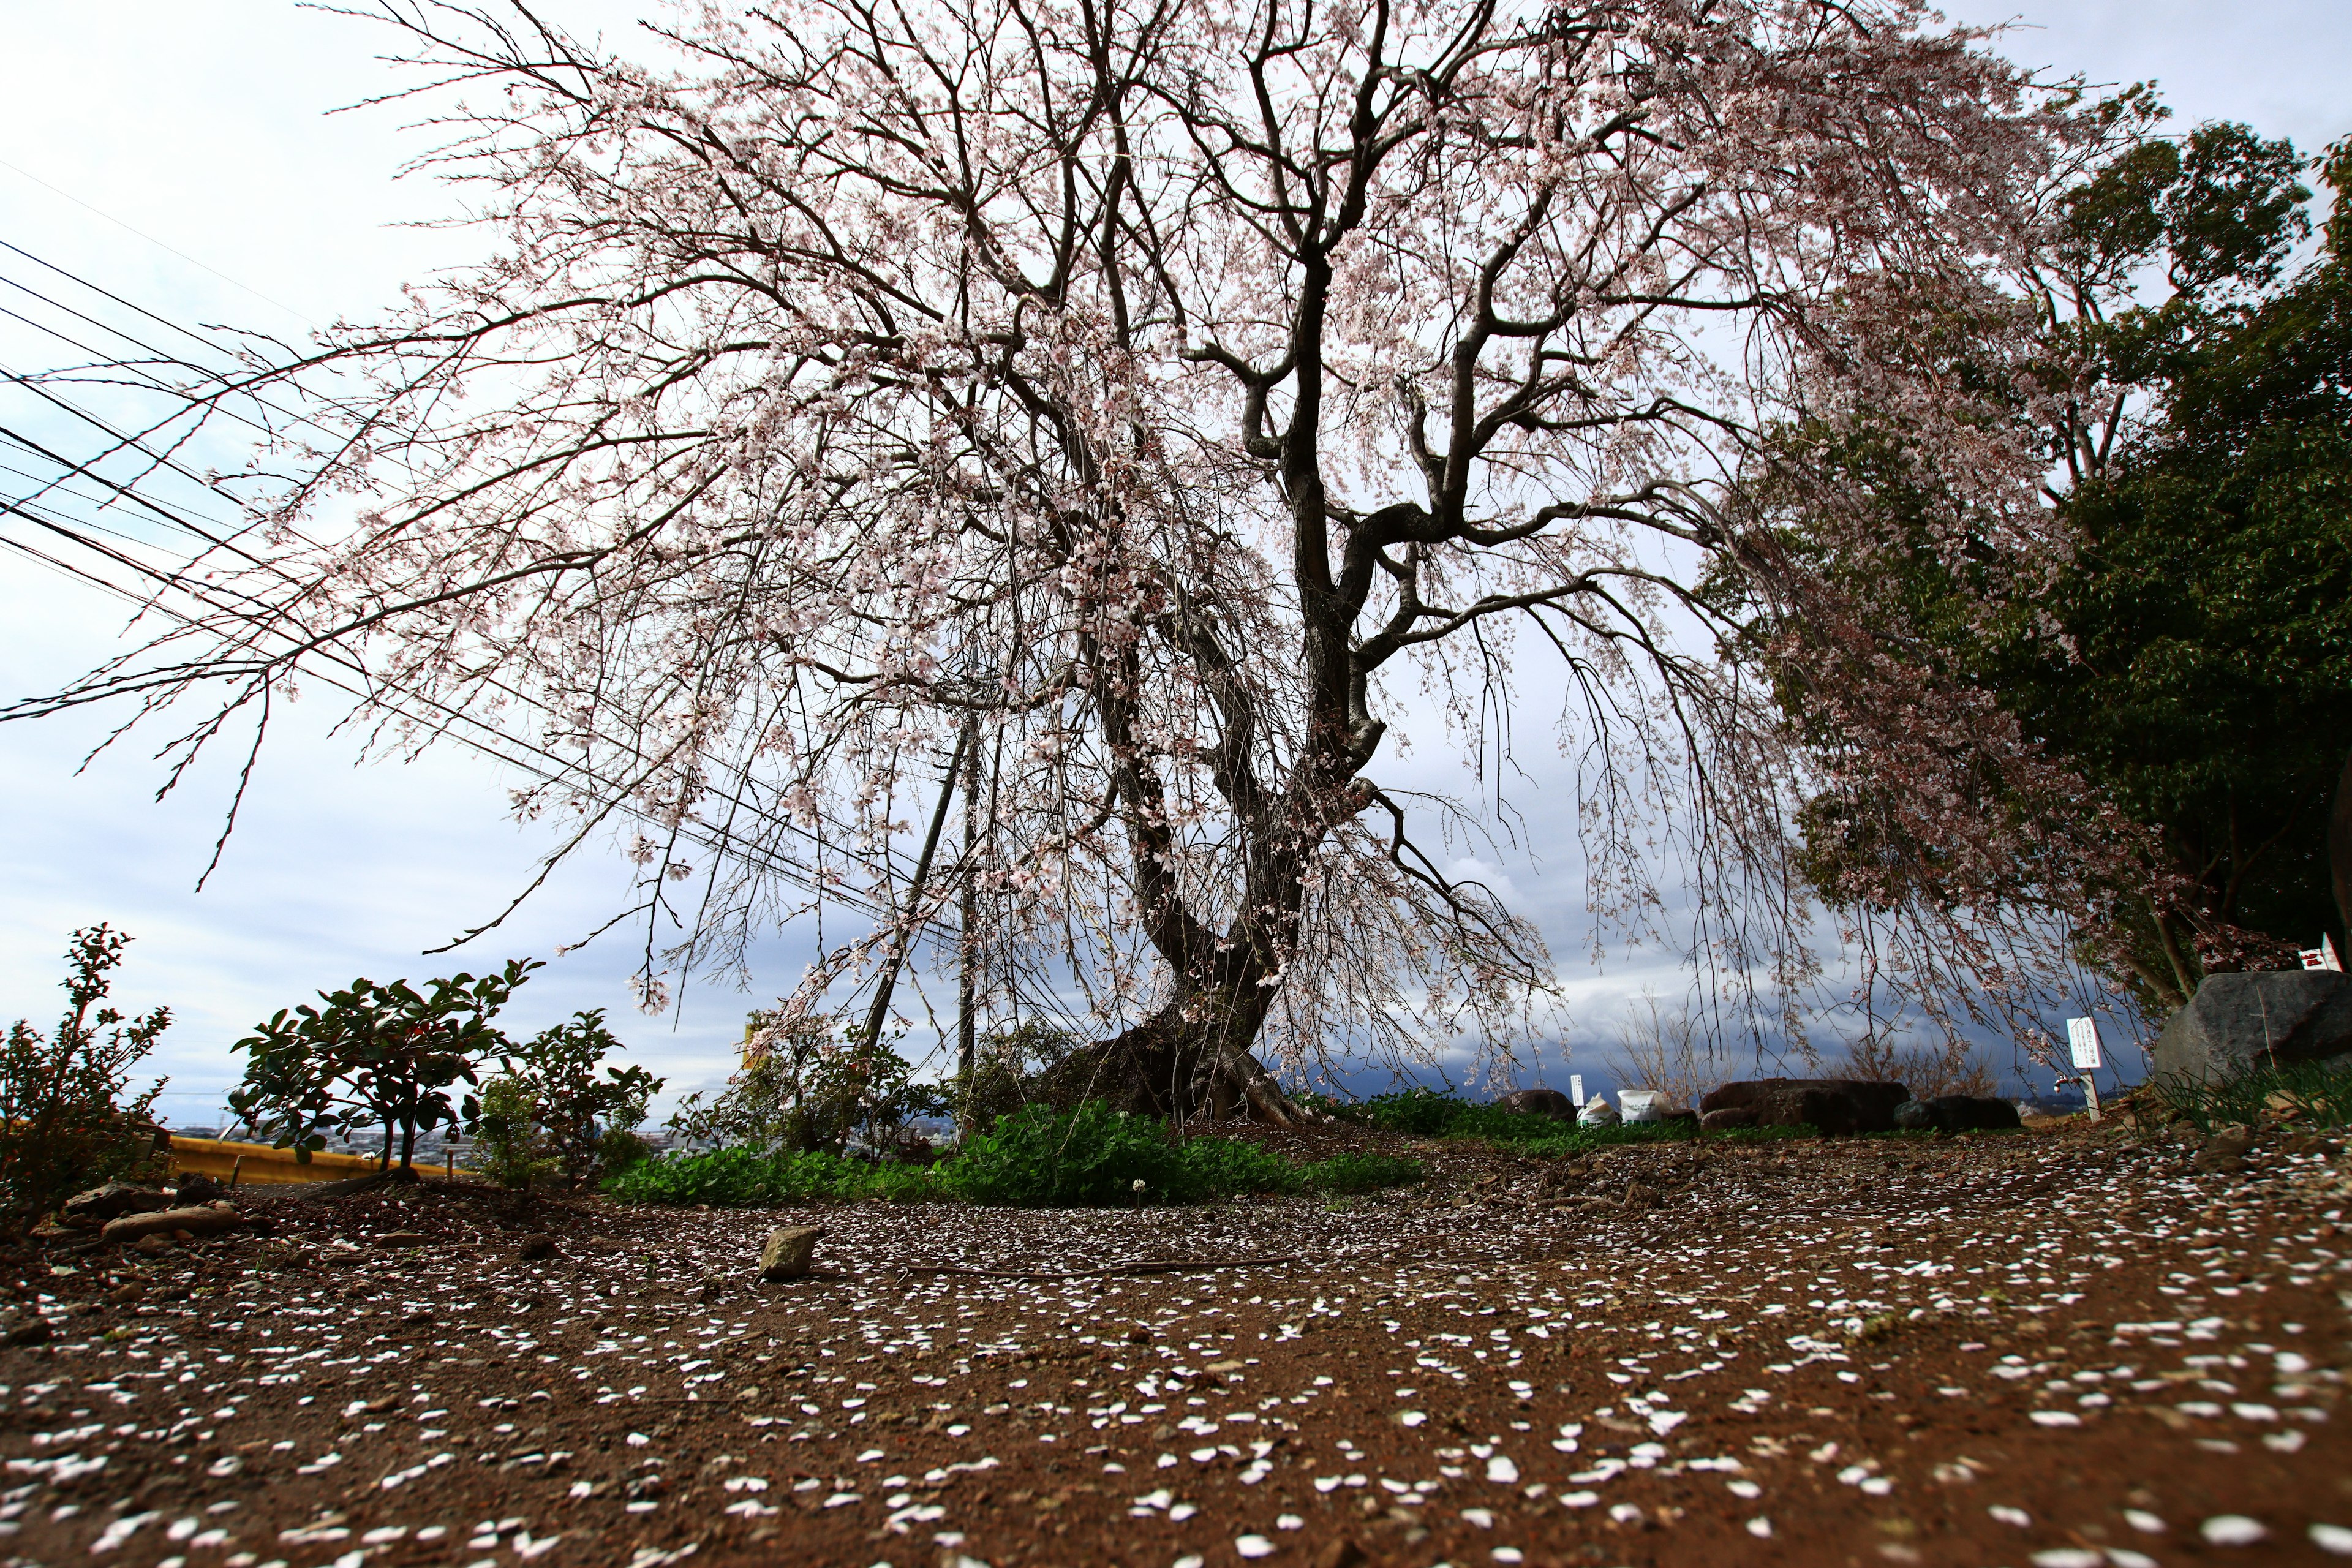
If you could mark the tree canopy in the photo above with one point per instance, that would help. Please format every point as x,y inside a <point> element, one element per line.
<point>2174,693</point>
<point>1137,403</point>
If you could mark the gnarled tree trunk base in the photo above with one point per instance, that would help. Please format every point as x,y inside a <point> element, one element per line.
<point>1170,1066</point>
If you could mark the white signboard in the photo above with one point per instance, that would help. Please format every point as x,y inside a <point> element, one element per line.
<point>2082,1038</point>
<point>1576,1088</point>
<point>2322,956</point>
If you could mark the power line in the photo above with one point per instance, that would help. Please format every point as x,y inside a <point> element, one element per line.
<point>153,241</point>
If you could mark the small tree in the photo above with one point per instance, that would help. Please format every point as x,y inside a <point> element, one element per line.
<point>803,1088</point>
<point>582,1118</point>
<point>64,1120</point>
<point>386,1053</point>
<point>505,1120</point>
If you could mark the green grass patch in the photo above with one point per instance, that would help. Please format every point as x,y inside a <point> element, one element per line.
<point>1092,1157</point>
<point>1425,1113</point>
<point>744,1178</point>
<point>1347,1173</point>
<point>2323,1091</point>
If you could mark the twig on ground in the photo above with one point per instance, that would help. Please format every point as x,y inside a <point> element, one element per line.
<point>1162,1266</point>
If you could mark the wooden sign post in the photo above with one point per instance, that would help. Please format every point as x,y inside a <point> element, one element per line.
<point>1576,1089</point>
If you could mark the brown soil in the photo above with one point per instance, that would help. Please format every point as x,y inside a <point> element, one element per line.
<point>2058,1347</point>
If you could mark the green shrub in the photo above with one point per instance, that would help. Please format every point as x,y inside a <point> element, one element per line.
<point>68,1118</point>
<point>1038,1157</point>
<point>1344,1174</point>
<point>514,1153</point>
<point>1417,1112</point>
<point>583,1123</point>
<point>739,1178</point>
<point>619,1148</point>
<point>1219,1167</point>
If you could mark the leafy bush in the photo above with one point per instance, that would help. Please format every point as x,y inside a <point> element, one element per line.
<point>65,1123</point>
<point>514,1153</point>
<point>1417,1112</point>
<point>1344,1174</point>
<point>1220,1167</point>
<point>386,1055</point>
<point>1034,1158</point>
<point>1042,1158</point>
<point>585,1123</point>
<point>741,1177</point>
<point>1007,1068</point>
<point>1425,1113</point>
<point>810,1084</point>
<point>621,1148</point>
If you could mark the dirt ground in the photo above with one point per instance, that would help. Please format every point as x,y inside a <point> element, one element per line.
<point>2060,1347</point>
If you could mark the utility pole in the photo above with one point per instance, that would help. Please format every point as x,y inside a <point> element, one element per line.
<point>967,987</point>
<point>879,1014</point>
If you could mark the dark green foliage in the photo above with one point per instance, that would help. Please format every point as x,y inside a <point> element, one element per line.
<point>1417,1112</point>
<point>1008,1071</point>
<point>2193,660</point>
<point>578,1114</point>
<point>811,1084</point>
<point>742,1178</point>
<point>504,1121</point>
<point>1425,1113</point>
<point>387,1055</point>
<point>1034,1158</point>
<point>67,1118</point>
<point>1346,1174</point>
<point>1222,1167</point>
<point>1041,1158</point>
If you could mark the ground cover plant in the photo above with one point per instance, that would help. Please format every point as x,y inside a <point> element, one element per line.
<point>1037,1157</point>
<point>1426,1113</point>
<point>69,1118</point>
<point>2318,1093</point>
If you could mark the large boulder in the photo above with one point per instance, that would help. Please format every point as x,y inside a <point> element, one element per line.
<point>1540,1102</point>
<point>1955,1113</point>
<point>1831,1105</point>
<point>2238,1021</point>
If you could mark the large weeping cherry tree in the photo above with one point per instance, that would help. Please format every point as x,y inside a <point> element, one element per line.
<point>1115,409</point>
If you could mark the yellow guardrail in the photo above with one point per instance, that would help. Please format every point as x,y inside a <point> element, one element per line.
<point>259,1163</point>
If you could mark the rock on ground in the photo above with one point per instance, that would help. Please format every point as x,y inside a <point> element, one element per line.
<point>1832,1105</point>
<point>2240,1021</point>
<point>1540,1102</point>
<point>786,1254</point>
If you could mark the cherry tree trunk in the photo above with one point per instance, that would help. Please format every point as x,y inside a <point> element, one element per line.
<point>1191,1057</point>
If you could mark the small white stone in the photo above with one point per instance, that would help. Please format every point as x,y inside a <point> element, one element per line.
<point>2233,1530</point>
<point>1253,1546</point>
<point>1761,1527</point>
<point>2332,1539</point>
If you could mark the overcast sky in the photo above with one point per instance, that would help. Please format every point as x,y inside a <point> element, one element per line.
<point>183,157</point>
